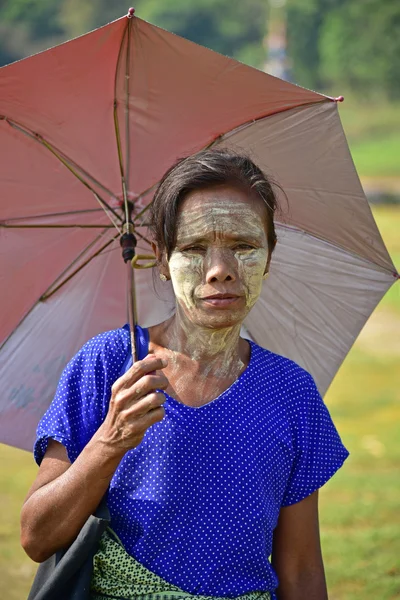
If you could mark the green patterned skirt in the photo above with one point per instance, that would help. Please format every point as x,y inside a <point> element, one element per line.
<point>118,576</point>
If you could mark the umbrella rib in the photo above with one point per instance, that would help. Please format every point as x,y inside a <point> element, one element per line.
<point>117,129</point>
<point>27,131</point>
<point>10,223</point>
<point>51,291</point>
<point>65,160</point>
<point>141,213</point>
<point>70,226</point>
<point>72,263</point>
<point>59,226</point>
<point>57,214</point>
<point>109,215</point>
<point>142,237</point>
<point>127,82</point>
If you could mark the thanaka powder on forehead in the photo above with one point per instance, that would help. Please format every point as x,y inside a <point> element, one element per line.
<point>215,217</point>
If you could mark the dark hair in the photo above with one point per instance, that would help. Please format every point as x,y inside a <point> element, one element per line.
<point>205,169</point>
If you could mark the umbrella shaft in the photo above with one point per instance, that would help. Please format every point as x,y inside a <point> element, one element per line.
<point>131,304</point>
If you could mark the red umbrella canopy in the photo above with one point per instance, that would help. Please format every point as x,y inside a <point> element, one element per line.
<point>96,121</point>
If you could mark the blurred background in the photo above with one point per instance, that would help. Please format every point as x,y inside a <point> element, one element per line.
<point>339,47</point>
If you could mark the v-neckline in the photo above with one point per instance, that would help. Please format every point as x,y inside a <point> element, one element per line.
<point>222,394</point>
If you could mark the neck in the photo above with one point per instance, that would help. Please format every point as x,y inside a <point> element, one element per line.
<point>211,351</point>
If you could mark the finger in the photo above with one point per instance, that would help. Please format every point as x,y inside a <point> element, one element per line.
<point>126,397</point>
<point>145,405</point>
<point>153,416</point>
<point>138,370</point>
<point>148,383</point>
<point>143,367</point>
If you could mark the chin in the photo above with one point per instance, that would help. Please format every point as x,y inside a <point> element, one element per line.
<point>219,321</point>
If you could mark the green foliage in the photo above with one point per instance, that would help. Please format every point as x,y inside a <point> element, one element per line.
<point>346,44</point>
<point>40,15</point>
<point>231,28</point>
<point>305,19</point>
<point>359,47</point>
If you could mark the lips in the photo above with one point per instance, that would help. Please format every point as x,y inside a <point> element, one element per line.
<point>220,300</point>
<point>220,296</point>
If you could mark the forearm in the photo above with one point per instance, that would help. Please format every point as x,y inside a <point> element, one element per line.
<point>307,584</point>
<point>296,555</point>
<point>53,515</point>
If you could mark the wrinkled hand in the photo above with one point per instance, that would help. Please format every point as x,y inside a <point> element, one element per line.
<point>134,404</point>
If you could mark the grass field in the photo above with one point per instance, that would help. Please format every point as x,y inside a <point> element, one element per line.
<point>359,515</point>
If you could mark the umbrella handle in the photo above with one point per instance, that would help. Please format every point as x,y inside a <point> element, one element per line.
<point>147,265</point>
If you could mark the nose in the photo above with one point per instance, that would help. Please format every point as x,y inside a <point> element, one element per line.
<point>220,266</point>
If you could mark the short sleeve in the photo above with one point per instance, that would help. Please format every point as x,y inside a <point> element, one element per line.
<point>81,400</point>
<point>318,449</point>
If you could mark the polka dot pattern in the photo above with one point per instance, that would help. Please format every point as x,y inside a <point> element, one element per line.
<point>197,501</point>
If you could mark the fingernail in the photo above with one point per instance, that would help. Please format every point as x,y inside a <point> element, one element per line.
<point>164,362</point>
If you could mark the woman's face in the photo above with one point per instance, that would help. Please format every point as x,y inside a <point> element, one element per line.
<point>221,254</point>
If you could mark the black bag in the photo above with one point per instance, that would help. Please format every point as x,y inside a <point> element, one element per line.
<point>66,575</point>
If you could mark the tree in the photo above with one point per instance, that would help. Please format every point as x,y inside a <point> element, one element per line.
<point>359,47</point>
<point>305,21</point>
<point>232,28</point>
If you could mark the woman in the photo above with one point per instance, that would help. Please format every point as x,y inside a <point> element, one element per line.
<point>212,448</point>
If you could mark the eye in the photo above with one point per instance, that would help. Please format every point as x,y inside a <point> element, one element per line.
<point>194,249</point>
<point>244,246</point>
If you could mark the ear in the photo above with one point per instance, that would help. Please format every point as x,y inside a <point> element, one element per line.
<point>162,263</point>
<point>269,259</point>
<point>156,252</point>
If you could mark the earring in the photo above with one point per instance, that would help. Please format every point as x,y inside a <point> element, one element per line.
<point>163,277</point>
<point>265,276</point>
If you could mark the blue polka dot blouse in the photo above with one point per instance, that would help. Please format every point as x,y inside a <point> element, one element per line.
<point>197,501</point>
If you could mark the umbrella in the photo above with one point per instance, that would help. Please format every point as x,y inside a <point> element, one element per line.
<point>86,131</point>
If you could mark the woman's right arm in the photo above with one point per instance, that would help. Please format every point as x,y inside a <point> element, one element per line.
<point>63,495</point>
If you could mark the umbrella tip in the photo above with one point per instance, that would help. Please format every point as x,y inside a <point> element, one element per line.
<point>339,99</point>
<point>131,12</point>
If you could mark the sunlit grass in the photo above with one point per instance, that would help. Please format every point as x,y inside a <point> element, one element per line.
<point>360,527</point>
<point>17,471</point>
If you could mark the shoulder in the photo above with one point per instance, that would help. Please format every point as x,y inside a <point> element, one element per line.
<point>107,350</point>
<point>286,385</point>
<point>281,370</point>
<point>95,367</point>
<point>115,340</point>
